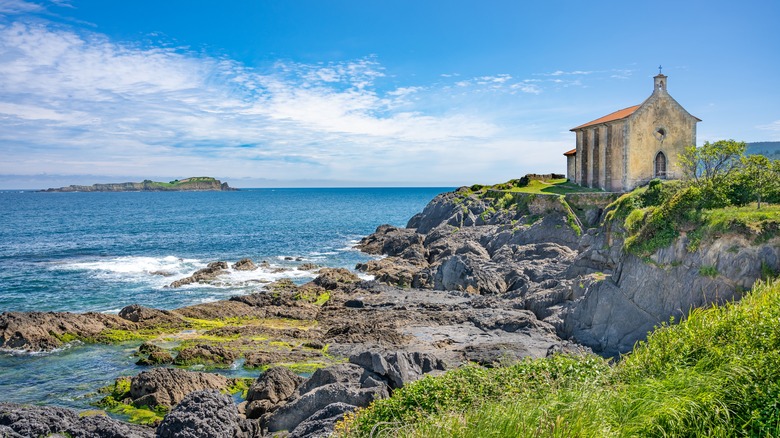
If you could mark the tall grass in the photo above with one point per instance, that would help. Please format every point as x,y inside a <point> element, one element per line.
<point>716,374</point>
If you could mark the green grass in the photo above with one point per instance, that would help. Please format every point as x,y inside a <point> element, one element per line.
<point>654,216</point>
<point>716,374</point>
<point>763,224</point>
<point>552,187</point>
<point>179,183</point>
<point>528,185</point>
<point>708,271</point>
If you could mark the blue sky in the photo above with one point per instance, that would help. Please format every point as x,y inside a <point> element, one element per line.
<point>359,93</point>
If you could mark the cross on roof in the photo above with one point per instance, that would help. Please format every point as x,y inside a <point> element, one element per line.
<point>659,69</point>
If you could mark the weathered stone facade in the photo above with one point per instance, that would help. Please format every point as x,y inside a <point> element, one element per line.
<point>628,148</point>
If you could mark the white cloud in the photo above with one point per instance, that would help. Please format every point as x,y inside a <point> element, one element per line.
<point>74,102</point>
<point>18,6</point>
<point>567,73</point>
<point>527,87</point>
<point>773,128</point>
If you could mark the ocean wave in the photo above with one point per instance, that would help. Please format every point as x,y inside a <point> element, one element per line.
<point>130,266</point>
<point>365,277</point>
<point>323,253</point>
<point>19,352</point>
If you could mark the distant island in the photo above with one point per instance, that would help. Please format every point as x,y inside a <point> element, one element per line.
<point>194,184</point>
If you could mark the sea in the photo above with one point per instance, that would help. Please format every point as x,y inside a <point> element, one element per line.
<point>99,252</point>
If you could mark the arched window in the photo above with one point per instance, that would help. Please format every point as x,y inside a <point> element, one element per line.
<point>660,165</point>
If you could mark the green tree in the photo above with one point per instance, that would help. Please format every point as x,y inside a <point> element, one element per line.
<point>713,163</point>
<point>760,176</point>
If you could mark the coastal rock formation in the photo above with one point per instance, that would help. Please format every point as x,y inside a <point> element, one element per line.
<point>44,331</point>
<point>270,390</point>
<point>168,386</point>
<point>207,414</point>
<point>563,262</point>
<point>611,313</point>
<point>322,423</point>
<point>196,184</point>
<point>400,367</point>
<point>244,265</point>
<point>151,317</point>
<point>36,331</point>
<point>345,383</point>
<point>205,275</point>
<point>34,421</point>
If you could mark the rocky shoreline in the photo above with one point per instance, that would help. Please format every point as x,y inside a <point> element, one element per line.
<point>479,276</point>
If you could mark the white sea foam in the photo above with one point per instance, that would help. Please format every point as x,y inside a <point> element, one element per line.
<point>136,265</point>
<point>156,271</point>
<point>15,352</point>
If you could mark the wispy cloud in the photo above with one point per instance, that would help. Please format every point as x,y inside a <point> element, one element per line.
<point>18,6</point>
<point>567,73</point>
<point>76,101</point>
<point>501,83</point>
<point>773,128</point>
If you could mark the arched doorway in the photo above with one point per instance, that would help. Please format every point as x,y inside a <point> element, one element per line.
<point>660,165</point>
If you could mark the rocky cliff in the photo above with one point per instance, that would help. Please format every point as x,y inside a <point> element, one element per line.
<point>562,259</point>
<point>198,184</point>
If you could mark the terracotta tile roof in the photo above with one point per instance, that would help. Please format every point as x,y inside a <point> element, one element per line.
<point>617,115</point>
<point>571,152</point>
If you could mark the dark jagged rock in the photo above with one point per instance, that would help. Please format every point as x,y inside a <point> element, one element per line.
<point>102,426</point>
<point>270,390</point>
<point>205,275</point>
<point>400,367</point>
<point>244,265</point>
<point>275,385</point>
<point>35,421</point>
<point>345,383</point>
<point>207,414</point>
<point>321,424</point>
<point>331,278</point>
<point>151,317</point>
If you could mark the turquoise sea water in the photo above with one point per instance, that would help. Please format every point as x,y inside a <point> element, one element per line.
<point>102,251</point>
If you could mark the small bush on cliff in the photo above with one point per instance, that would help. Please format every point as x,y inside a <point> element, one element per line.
<point>716,374</point>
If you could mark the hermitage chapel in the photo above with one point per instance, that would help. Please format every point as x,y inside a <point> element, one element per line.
<point>628,148</point>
